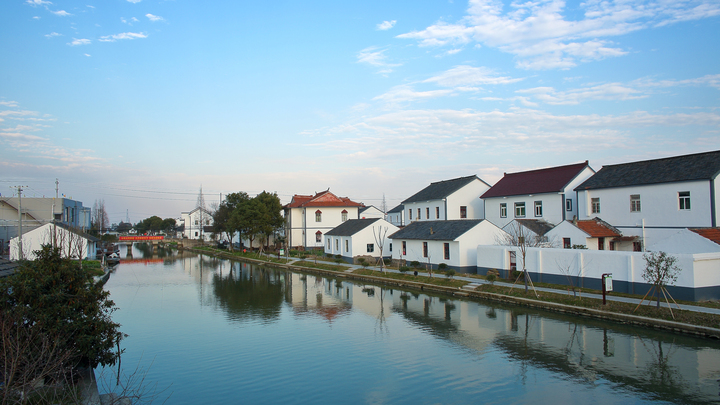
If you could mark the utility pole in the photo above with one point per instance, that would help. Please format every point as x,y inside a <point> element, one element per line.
<point>20,247</point>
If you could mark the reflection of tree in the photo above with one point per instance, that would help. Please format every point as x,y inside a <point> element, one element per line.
<point>251,294</point>
<point>661,374</point>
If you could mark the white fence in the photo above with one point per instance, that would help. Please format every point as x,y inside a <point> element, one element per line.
<point>699,277</point>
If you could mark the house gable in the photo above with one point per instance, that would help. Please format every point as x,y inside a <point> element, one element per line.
<point>442,189</point>
<point>548,180</point>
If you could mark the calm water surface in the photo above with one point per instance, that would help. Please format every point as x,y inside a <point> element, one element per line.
<point>216,331</point>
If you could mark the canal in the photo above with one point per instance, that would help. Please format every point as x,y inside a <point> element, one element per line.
<point>207,330</point>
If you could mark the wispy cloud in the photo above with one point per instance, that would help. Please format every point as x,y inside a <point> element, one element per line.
<point>469,76</point>
<point>124,35</point>
<point>36,3</point>
<point>53,34</point>
<point>129,22</point>
<point>9,103</point>
<point>376,57</point>
<point>405,93</point>
<point>61,13</point>
<point>543,38</point>
<point>134,1</point>
<point>154,18</point>
<point>76,42</point>
<point>386,25</point>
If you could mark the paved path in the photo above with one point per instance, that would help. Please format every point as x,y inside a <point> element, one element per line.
<point>478,281</point>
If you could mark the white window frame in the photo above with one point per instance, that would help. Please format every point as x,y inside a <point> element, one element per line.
<point>538,208</point>
<point>503,210</point>
<point>635,205</point>
<point>684,200</point>
<point>595,205</point>
<point>568,204</point>
<point>519,210</point>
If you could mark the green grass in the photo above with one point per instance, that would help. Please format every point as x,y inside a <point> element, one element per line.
<point>690,317</point>
<point>323,266</point>
<point>437,280</point>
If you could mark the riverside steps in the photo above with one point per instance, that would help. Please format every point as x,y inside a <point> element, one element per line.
<point>470,291</point>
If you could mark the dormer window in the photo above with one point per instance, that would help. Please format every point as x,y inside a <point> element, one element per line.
<point>318,216</point>
<point>344,215</point>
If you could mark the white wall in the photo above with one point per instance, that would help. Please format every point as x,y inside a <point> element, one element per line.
<point>70,244</point>
<point>304,227</point>
<point>358,242</point>
<point>552,208</point>
<point>659,206</point>
<point>468,196</point>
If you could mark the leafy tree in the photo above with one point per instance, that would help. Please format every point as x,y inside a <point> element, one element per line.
<point>225,217</point>
<point>270,218</point>
<point>52,296</point>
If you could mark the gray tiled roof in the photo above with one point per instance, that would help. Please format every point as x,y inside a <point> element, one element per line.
<point>441,189</point>
<point>436,230</point>
<point>351,227</point>
<point>78,232</point>
<point>698,166</point>
<point>399,208</point>
<point>539,227</point>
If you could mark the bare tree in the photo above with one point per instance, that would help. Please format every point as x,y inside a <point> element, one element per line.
<point>380,242</point>
<point>572,272</point>
<point>521,237</point>
<point>100,219</point>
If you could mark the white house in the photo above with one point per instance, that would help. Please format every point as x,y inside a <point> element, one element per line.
<point>593,234</point>
<point>396,216</point>
<point>453,242</point>
<point>535,232</point>
<point>546,194</point>
<point>370,212</point>
<point>309,217</point>
<point>72,242</point>
<point>655,197</point>
<point>197,224</point>
<point>40,211</point>
<point>691,241</point>
<point>359,237</point>
<point>447,200</point>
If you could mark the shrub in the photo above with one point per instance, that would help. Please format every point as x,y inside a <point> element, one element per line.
<point>442,266</point>
<point>404,269</point>
<point>491,278</point>
<point>449,273</point>
<point>387,261</point>
<point>415,264</point>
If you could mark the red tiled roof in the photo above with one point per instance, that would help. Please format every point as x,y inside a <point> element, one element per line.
<point>321,199</point>
<point>548,180</point>
<point>596,229</point>
<point>712,234</point>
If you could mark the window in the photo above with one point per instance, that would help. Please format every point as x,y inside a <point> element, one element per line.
<point>318,236</point>
<point>337,244</point>
<point>463,211</point>
<point>329,246</point>
<point>370,247</point>
<point>538,208</point>
<point>419,217</point>
<point>427,213</point>
<point>684,200</point>
<point>437,212</point>
<point>503,210</point>
<point>566,243</point>
<point>568,204</point>
<point>196,222</point>
<point>519,210</point>
<point>446,250</point>
<point>318,216</point>
<point>425,249</point>
<point>196,234</point>
<point>513,261</point>
<point>207,222</point>
<point>612,245</point>
<point>637,247</point>
<point>635,203</point>
<point>390,247</point>
<point>410,215</point>
<point>404,248</point>
<point>601,243</point>
<point>347,245</point>
<point>344,215</point>
<point>595,203</point>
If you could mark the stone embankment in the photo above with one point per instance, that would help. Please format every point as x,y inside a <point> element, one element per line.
<point>471,293</point>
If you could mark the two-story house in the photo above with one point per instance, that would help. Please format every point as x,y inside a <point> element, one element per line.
<point>360,237</point>
<point>544,194</point>
<point>309,217</point>
<point>197,224</point>
<point>655,197</point>
<point>396,216</point>
<point>447,200</point>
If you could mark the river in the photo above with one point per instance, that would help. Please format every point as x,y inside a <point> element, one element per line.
<point>205,330</point>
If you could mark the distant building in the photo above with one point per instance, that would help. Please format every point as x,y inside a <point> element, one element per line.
<point>359,237</point>
<point>309,217</point>
<point>545,194</point>
<point>657,197</point>
<point>396,216</point>
<point>73,243</point>
<point>447,200</point>
<point>197,224</point>
<point>370,212</point>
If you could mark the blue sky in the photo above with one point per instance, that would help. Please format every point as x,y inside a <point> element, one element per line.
<point>141,102</point>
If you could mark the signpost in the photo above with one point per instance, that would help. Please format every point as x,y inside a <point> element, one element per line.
<point>606,285</point>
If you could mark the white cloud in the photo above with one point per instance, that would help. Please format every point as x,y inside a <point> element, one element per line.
<point>9,103</point>
<point>542,37</point>
<point>374,56</point>
<point>53,34</point>
<point>36,18</point>
<point>386,25</point>
<point>134,1</point>
<point>87,54</point>
<point>609,91</point>
<point>405,93</point>
<point>464,75</point>
<point>154,18</point>
<point>61,13</point>
<point>76,42</point>
<point>89,6</point>
<point>124,35</point>
<point>35,3</point>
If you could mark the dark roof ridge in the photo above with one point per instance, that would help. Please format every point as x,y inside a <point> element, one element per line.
<point>585,163</point>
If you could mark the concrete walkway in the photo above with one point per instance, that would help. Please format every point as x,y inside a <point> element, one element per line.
<point>478,281</point>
